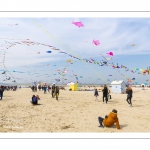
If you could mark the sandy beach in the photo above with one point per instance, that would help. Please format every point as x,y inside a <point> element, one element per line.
<point>76,111</point>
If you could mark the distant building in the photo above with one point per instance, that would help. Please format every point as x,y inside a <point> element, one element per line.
<point>118,86</point>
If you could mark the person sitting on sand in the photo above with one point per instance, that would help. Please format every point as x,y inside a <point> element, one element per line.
<point>109,120</point>
<point>96,94</point>
<point>34,100</point>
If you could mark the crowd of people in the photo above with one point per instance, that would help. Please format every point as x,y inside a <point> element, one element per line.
<point>8,88</point>
<point>54,91</point>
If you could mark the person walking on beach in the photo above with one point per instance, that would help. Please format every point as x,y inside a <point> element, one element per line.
<point>39,87</point>
<point>109,120</point>
<point>96,94</point>
<point>45,88</point>
<point>32,88</point>
<point>105,93</point>
<point>129,95</point>
<point>49,88</point>
<point>57,92</point>
<point>1,92</point>
<point>53,90</point>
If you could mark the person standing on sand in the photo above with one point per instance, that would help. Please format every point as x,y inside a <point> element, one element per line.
<point>57,92</point>
<point>105,93</point>
<point>129,95</point>
<point>1,92</point>
<point>109,95</point>
<point>96,94</point>
<point>109,120</point>
<point>53,90</point>
<point>44,88</point>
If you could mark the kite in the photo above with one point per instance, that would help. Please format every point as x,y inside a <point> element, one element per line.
<point>109,58</point>
<point>9,24</point>
<point>96,42</point>
<point>4,72</point>
<point>78,24</point>
<point>132,71</point>
<point>133,44</point>
<point>49,51</point>
<point>57,80</point>
<point>68,60</point>
<point>110,53</point>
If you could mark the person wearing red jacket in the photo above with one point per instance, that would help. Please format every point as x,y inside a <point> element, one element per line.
<point>109,120</point>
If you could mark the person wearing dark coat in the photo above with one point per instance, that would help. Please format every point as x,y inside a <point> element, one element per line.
<point>53,90</point>
<point>129,95</point>
<point>105,93</point>
<point>96,94</point>
<point>1,92</point>
<point>57,92</point>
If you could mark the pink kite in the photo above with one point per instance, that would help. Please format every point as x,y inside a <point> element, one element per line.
<point>110,53</point>
<point>96,42</point>
<point>79,24</point>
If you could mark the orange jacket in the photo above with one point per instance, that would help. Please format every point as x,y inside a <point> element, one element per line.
<point>112,118</point>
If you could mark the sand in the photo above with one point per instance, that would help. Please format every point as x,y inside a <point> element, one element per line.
<point>75,111</point>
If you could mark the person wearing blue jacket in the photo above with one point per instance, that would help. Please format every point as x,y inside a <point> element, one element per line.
<point>44,88</point>
<point>34,100</point>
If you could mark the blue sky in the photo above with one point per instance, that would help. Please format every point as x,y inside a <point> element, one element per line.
<point>115,35</point>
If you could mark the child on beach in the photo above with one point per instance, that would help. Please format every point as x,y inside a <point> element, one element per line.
<point>96,94</point>
<point>109,120</point>
<point>109,96</point>
<point>34,100</point>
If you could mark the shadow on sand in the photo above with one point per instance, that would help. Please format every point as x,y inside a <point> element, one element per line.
<point>121,126</point>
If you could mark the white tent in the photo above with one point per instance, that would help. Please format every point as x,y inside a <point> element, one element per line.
<point>143,85</point>
<point>71,83</point>
<point>118,86</point>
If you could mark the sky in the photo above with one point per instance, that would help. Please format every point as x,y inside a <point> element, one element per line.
<point>26,63</point>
